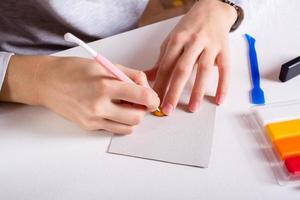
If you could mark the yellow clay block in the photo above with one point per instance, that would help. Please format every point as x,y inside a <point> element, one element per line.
<point>285,129</point>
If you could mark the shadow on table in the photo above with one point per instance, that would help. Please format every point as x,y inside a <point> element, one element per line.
<point>184,106</point>
<point>256,147</point>
<point>272,75</point>
<point>297,188</point>
<point>37,122</point>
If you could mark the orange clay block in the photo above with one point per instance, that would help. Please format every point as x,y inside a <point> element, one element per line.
<point>285,129</point>
<point>288,147</point>
<point>158,113</point>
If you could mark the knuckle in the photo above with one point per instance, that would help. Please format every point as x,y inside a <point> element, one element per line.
<point>197,95</point>
<point>223,88</point>
<point>127,130</point>
<point>178,38</point>
<point>156,102</point>
<point>163,70</point>
<point>163,46</point>
<point>204,66</point>
<point>171,96</point>
<point>182,70</point>
<point>102,83</point>
<point>224,67</point>
<point>215,49</point>
<point>146,95</point>
<point>93,63</point>
<point>87,124</point>
<point>141,77</point>
<point>90,128</point>
<point>94,112</point>
<point>195,37</point>
<point>137,119</point>
<point>223,92</point>
<point>93,106</point>
<point>103,86</point>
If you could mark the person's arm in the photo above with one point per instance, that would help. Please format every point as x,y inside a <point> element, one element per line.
<point>80,90</point>
<point>201,37</point>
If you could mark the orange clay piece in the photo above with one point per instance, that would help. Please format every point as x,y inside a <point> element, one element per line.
<point>158,113</point>
<point>177,3</point>
<point>288,147</point>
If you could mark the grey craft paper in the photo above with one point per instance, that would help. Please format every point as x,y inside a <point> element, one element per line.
<point>182,138</point>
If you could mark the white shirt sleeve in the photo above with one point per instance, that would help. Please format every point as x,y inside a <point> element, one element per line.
<point>4,61</point>
<point>247,6</point>
<point>252,7</point>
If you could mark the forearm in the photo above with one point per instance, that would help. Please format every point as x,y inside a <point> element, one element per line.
<point>80,90</point>
<point>21,83</point>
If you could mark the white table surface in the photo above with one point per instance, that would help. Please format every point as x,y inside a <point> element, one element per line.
<point>43,156</point>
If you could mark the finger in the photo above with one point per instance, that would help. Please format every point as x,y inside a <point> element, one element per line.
<point>139,77</point>
<point>135,94</point>
<point>151,73</point>
<point>224,76</point>
<point>116,128</point>
<point>180,76</point>
<point>162,52</point>
<point>173,50</point>
<point>108,125</point>
<point>126,114</point>
<point>205,68</point>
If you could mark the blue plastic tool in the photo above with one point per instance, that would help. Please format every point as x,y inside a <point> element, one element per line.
<point>257,94</point>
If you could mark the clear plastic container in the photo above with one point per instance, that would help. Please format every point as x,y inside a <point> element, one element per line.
<point>276,128</point>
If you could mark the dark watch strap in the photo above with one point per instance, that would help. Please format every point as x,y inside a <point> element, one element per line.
<point>240,13</point>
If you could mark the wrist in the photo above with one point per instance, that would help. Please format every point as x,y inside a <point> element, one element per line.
<point>230,12</point>
<point>239,12</point>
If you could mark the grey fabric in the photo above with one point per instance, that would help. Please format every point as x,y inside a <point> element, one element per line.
<point>33,27</point>
<point>37,26</point>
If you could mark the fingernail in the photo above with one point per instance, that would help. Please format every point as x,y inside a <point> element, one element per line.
<point>194,107</point>
<point>168,109</point>
<point>220,99</point>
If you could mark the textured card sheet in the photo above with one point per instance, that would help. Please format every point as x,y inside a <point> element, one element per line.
<point>182,138</point>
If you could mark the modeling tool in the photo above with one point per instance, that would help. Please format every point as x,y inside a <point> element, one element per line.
<point>257,94</point>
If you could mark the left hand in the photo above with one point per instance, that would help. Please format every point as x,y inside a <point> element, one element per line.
<point>201,37</point>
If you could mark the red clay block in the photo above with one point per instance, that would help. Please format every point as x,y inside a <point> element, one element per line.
<point>293,165</point>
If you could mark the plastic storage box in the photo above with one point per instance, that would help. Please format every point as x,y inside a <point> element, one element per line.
<point>276,128</point>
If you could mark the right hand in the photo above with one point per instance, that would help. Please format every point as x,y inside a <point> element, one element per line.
<point>84,92</point>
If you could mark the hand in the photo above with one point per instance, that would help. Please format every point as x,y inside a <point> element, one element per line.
<point>201,37</point>
<point>81,91</point>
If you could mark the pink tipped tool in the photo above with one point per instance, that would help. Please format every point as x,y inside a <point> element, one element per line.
<point>99,58</point>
